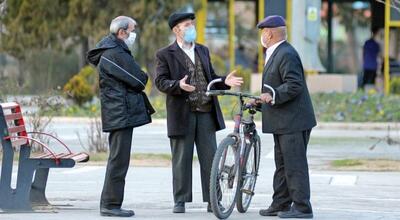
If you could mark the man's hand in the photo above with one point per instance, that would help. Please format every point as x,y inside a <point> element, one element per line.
<point>266,98</point>
<point>232,80</point>
<point>185,86</point>
<point>254,102</point>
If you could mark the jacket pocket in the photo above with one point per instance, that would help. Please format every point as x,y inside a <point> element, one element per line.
<point>135,104</point>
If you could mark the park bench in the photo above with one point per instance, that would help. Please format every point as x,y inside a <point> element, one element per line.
<point>33,170</point>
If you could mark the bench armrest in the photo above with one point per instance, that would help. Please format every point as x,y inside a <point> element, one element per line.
<point>52,136</point>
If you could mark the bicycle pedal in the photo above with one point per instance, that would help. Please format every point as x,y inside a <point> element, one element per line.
<point>248,192</point>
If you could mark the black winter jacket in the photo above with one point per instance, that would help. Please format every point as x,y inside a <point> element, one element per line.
<point>123,102</point>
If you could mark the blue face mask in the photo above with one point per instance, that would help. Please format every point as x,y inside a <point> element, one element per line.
<point>190,34</point>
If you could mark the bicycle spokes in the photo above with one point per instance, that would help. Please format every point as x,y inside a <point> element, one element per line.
<point>227,178</point>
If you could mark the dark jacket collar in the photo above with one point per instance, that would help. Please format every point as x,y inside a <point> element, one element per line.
<point>120,42</point>
<point>284,44</point>
<point>176,51</point>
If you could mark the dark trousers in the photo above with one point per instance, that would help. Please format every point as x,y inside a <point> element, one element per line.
<point>201,130</point>
<point>369,77</point>
<point>117,166</point>
<point>291,180</point>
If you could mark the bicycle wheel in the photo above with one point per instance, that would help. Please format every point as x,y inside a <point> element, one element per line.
<point>224,178</point>
<point>249,173</point>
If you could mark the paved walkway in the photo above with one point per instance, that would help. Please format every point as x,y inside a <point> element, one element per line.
<point>335,195</point>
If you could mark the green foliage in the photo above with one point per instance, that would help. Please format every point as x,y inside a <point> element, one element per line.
<point>59,24</point>
<point>81,88</point>
<point>346,163</point>
<point>395,85</point>
<point>219,65</point>
<point>31,25</point>
<point>246,74</point>
<point>357,107</point>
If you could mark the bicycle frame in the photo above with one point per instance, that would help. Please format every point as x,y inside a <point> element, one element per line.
<point>238,132</point>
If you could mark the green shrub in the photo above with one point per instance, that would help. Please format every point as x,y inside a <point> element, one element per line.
<point>246,74</point>
<point>219,65</point>
<point>395,85</point>
<point>82,87</point>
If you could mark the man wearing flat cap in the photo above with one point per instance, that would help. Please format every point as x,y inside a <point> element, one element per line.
<point>183,72</point>
<point>290,120</point>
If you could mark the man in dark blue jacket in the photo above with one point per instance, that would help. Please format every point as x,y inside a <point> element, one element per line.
<point>124,106</point>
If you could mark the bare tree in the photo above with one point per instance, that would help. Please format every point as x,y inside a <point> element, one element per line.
<point>97,139</point>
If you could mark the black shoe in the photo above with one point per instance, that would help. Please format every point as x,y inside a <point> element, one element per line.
<point>116,212</point>
<point>179,207</point>
<point>294,213</point>
<point>272,211</point>
<point>209,209</point>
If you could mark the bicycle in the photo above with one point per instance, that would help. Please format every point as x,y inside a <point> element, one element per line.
<point>236,161</point>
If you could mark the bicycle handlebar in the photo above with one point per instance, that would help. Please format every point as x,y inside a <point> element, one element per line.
<point>225,92</point>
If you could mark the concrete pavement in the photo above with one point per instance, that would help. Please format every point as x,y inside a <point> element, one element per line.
<point>335,195</point>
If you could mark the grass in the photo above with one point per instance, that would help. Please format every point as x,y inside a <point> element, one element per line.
<point>360,106</point>
<point>137,159</point>
<point>339,140</point>
<point>378,165</point>
<point>103,156</point>
<point>346,163</point>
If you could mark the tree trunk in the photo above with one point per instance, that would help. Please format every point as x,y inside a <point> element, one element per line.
<point>353,61</point>
<point>84,49</point>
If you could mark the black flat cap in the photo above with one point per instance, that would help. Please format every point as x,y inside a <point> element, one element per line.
<point>272,21</point>
<point>176,17</point>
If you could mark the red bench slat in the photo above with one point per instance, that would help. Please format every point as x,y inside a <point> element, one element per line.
<point>17,116</point>
<point>9,105</point>
<point>18,142</point>
<point>13,116</point>
<point>17,129</point>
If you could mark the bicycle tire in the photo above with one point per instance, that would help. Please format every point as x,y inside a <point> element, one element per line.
<point>245,195</point>
<point>215,188</point>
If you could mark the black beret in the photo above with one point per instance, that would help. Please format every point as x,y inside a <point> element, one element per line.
<point>272,21</point>
<point>176,17</point>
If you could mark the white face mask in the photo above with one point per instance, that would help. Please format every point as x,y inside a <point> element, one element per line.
<point>262,42</point>
<point>131,39</point>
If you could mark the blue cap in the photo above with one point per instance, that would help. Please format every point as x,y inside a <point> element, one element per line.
<point>272,21</point>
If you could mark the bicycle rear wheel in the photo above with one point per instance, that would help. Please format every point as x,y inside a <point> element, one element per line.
<point>224,178</point>
<point>249,173</point>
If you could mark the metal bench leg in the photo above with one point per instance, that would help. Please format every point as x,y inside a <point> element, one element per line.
<point>38,190</point>
<point>24,180</point>
<point>5,180</point>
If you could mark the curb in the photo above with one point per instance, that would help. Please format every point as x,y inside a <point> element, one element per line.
<point>230,123</point>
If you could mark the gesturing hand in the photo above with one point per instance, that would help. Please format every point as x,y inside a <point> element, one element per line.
<point>232,80</point>
<point>185,86</point>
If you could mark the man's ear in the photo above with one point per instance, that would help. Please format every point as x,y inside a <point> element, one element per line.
<point>175,29</point>
<point>120,32</point>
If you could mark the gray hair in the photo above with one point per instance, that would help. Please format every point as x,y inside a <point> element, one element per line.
<point>121,22</point>
<point>280,32</point>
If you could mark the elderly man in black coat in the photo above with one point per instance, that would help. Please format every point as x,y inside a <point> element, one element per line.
<point>124,106</point>
<point>290,120</point>
<point>183,72</point>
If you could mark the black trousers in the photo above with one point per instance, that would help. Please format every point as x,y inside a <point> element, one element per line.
<point>117,166</point>
<point>201,130</point>
<point>369,77</point>
<point>291,180</point>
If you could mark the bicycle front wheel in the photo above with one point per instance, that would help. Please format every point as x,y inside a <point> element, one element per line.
<point>224,178</point>
<point>249,173</point>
